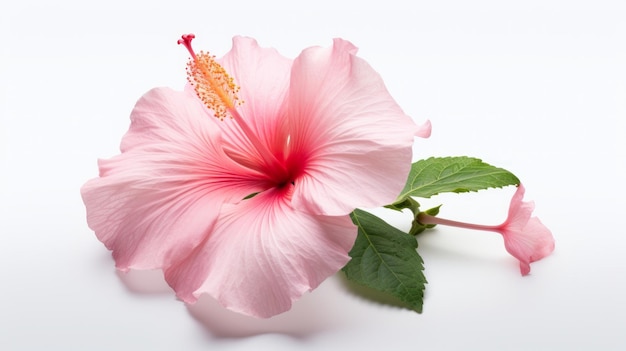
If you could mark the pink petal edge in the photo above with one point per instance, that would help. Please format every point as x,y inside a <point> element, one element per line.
<point>525,237</point>
<point>154,202</point>
<point>263,255</point>
<point>359,153</point>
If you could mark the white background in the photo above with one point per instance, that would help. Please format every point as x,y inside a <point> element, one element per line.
<point>538,88</point>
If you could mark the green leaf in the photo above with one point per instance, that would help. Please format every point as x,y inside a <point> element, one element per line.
<point>385,259</point>
<point>453,174</point>
<point>407,202</point>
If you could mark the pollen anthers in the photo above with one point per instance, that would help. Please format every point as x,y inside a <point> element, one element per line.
<point>213,85</point>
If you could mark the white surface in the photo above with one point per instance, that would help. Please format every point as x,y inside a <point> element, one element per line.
<point>538,88</point>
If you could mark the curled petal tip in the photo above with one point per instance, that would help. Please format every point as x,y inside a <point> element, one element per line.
<point>524,268</point>
<point>424,130</point>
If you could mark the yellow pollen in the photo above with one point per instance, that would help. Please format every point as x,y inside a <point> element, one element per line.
<point>214,86</point>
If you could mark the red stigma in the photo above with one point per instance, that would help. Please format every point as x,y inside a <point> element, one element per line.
<point>186,40</point>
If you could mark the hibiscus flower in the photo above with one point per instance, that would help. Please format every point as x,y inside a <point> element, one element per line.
<point>525,237</point>
<point>252,207</point>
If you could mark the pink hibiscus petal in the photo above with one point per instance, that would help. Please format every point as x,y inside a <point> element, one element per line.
<point>525,237</point>
<point>263,255</point>
<point>160,197</point>
<point>263,75</point>
<point>424,130</point>
<point>353,137</point>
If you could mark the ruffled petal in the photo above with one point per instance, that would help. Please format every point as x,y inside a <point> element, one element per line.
<point>156,201</point>
<point>352,137</point>
<point>263,76</point>
<point>424,130</point>
<point>263,254</point>
<point>525,237</point>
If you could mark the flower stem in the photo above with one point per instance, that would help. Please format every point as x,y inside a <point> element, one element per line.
<point>428,219</point>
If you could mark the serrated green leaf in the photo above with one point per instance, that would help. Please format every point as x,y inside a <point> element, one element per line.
<point>385,259</point>
<point>453,174</point>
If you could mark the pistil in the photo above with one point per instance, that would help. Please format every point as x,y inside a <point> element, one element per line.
<point>218,91</point>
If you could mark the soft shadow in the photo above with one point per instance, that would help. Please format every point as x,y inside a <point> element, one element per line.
<point>144,282</point>
<point>456,245</point>
<point>308,316</point>
<point>313,313</point>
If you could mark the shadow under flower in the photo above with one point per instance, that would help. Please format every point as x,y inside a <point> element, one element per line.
<point>308,317</point>
<point>312,314</point>
<point>456,247</point>
<point>144,282</point>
